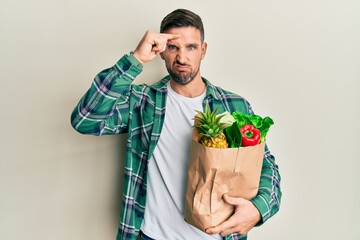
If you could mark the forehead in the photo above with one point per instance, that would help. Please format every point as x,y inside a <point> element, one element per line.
<point>189,35</point>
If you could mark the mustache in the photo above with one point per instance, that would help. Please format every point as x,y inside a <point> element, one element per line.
<point>180,63</point>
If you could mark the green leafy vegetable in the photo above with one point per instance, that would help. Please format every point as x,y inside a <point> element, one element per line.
<point>264,128</point>
<point>233,135</point>
<point>263,124</point>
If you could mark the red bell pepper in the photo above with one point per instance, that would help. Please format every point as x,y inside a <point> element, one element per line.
<point>250,135</point>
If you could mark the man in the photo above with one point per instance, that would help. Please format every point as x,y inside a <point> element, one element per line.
<point>158,121</point>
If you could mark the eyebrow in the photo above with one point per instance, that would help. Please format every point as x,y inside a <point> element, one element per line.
<point>187,45</point>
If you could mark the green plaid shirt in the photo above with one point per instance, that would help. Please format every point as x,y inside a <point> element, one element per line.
<point>113,105</point>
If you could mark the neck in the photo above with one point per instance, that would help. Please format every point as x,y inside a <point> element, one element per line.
<point>193,89</point>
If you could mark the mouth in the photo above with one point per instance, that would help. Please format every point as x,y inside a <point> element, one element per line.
<point>181,67</point>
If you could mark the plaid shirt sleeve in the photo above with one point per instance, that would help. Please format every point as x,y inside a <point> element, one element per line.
<point>268,199</point>
<point>269,195</point>
<point>104,109</point>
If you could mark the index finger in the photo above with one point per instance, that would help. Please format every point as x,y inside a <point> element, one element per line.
<point>171,36</point>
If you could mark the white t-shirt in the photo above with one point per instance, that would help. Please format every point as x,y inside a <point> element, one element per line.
<point>167,172</point>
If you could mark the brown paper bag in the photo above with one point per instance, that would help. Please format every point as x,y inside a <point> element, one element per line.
<point>213,172</point>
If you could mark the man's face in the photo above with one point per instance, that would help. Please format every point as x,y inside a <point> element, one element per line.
<point>184,54</point>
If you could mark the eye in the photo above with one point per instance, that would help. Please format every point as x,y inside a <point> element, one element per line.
<point>191,47</point>
<point>172,48</point>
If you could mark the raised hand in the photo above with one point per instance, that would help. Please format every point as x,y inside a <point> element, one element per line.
<point>152,44</point>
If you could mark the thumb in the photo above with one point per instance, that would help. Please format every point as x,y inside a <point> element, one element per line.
<point>232,200</point>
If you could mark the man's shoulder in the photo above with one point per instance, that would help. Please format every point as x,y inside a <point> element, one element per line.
<point>233,101</point>
<point>223,93</point>
<point>229,96</point>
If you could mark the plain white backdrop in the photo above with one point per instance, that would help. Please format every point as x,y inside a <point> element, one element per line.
<point>296,61</point>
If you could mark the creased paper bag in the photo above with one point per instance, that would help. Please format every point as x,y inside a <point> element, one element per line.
<point>213,172</point>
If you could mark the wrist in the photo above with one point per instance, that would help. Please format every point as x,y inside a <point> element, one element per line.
<point>136,55</point>
<point>134,60</point>
<point>131,63</point>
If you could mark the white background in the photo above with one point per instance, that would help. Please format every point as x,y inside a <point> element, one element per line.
<point>296,61</point>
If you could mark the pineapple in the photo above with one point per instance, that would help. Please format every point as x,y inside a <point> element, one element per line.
<point>210,129</point>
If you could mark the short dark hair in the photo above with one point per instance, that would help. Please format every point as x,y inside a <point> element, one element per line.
<point>182,18</point>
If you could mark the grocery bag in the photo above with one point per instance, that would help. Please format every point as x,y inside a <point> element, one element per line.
<point>213,172</point>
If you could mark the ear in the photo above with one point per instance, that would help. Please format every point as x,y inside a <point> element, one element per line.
<point>203,50</point>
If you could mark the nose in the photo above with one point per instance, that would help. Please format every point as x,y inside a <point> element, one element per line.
<point>181,56</point>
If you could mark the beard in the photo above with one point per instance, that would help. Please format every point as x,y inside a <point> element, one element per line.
<point>182,78</point>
